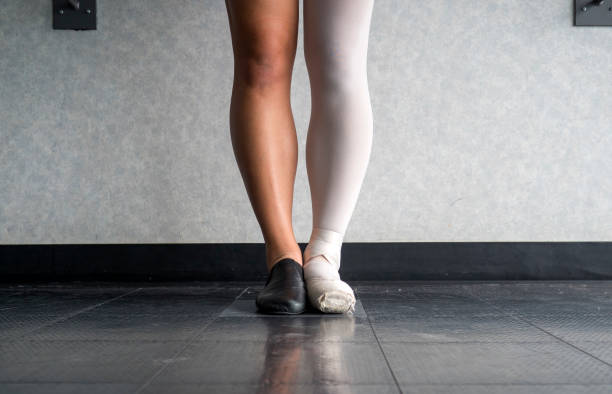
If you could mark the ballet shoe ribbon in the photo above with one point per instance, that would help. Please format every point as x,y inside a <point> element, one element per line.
<point>319,247</point>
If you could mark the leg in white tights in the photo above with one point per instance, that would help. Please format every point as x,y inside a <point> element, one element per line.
<point>339,138</point>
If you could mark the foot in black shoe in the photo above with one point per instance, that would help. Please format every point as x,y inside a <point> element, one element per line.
<point>284,291</point>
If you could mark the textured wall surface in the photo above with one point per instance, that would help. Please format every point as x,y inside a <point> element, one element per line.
<point>491,123</point>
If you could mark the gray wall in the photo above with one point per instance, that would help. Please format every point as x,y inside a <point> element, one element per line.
<point>491,123</point>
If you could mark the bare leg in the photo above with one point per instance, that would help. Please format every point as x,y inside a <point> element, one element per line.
<point>264,41</point>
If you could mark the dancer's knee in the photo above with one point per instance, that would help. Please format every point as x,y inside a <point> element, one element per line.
<point>264,65</point>
<point>335,67</point>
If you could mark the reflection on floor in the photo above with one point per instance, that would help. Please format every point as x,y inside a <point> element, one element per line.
<point>405,337</point>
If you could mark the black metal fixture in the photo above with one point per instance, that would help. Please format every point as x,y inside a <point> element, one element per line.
<point>74,14</point>
<point>593,13</point>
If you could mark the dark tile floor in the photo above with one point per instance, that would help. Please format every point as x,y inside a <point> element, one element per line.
<point>408,337</point>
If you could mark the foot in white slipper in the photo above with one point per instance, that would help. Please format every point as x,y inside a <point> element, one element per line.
<point>326,291</point>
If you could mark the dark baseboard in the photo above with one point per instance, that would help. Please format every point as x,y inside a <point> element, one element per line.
<point>360,261</point>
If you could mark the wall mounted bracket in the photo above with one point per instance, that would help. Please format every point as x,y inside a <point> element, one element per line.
<point>592,12</point>
<point>74,14</point>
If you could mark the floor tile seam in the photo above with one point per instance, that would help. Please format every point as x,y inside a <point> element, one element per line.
<point>332,384</point>
<point>507,384</point>
<point>71,383</point>
<point>280,316</point>
<point>297,341</point>
<point>567,343</point>
<point>478,282</point>
<point>153,291</point>
<point>395,380</point>
<point>593,341</point>
<point>361,318</point>
<point>162,340</point>
<point>181,314</point>
<point>187,343</point>
<point>521,318</point>
<point>211,287</point>
<point>59,382</point>
<point>358,282</point>
<point>201,283</point>
<point>79,291</point>
<point>517,306</point>
<point>220,383</point>
<point>254,383</point>
<point>552,340</point>
<point>177,353</point>
<point>75,313</point>
<point>567,314</point>
<point>430,316</point>
<point>277,384</point>
<point>70,286</point>
<point>560,313</point>
<point>91,340</point>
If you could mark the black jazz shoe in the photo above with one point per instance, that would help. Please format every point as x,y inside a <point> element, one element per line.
<point>284,291</point>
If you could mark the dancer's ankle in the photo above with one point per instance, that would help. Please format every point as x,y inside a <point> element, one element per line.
<point>272,259</point>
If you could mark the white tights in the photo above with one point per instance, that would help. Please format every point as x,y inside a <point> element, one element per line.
<point>339,138</point>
